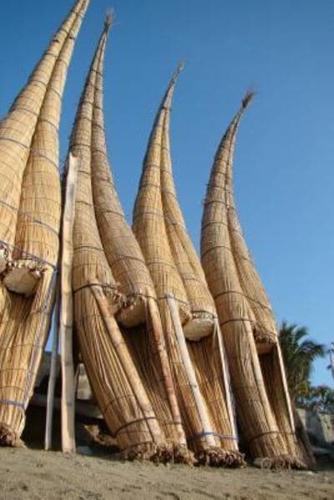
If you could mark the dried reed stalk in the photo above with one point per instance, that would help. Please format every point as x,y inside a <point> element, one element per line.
<point>114,378</point>
<point>155,234</point>
<point>25,319</point>
<point>246,320</point>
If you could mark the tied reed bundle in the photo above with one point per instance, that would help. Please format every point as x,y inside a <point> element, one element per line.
<point>140,312</point>
<point>30,216</point>
<point>116,378</point>
<point>174,269</point>
<point>207,354</point>
<point>246,318</point>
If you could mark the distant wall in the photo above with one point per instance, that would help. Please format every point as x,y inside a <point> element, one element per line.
<point>319,425</point>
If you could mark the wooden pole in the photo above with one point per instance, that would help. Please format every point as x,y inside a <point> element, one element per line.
<point>66,310</point>
<point>285,386</point>
<point>199,401</point>
<point>52,378</point>
<point>227,381</point>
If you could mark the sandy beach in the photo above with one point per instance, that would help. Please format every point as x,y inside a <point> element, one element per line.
<point>32,474</point>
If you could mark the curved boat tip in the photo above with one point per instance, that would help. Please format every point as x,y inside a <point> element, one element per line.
<point>177,72</point>
<point>167,99</point>
<point>246,101</point>
<point>110,18</point>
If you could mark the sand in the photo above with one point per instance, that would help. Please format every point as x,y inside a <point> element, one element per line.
<point>32,474</point>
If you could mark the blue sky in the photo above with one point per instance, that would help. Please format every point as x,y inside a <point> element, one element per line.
<point>285,153</point>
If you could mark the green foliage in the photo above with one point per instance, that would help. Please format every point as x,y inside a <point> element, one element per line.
<point>318,398</point>
<point>299,353</point>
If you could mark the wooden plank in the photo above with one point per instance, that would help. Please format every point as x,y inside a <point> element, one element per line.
<point>66,310</point>
<point>285,387</point>
<point>52,377</point>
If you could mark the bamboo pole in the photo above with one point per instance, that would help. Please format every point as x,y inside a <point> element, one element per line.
<point>200,404</point>
<point>65,319</point>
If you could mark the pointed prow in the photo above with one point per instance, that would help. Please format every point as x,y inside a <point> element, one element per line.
<point>249,96</point>
<point>167,100</point>
<point>110,17</point>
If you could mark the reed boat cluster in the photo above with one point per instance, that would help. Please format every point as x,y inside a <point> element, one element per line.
<point>182,354</point>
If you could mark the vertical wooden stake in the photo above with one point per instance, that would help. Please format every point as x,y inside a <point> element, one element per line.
<point>227,381</point>
<point>285,386</point>
<point>52,377</point>
<point>199,401</point>
<point>66,310</point>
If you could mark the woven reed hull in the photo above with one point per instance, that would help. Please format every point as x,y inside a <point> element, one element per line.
<point>149,226</point>
<point>265,328</point>
<point>202,306</point>
<point>109,379</point>
<point>189,414</point>
<point>116,384</point>
<point>257,421</point>
<point>39,215</point>
<point>150,355</point>
<point>17,129</point>
<point>23,332</point>
<point>196,409</point>
<point>264,421</point>
<point>207,361</point>
<point>277,396</point>
<point>246,319</point>
<point>146,358</point>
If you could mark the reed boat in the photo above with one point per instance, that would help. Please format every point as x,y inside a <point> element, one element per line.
<point>109,280</point>
<point>30,212</point>
<point>186,307</point>
<point>246,319</point>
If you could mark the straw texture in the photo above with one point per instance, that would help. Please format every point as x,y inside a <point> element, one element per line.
<point>207,355</point>
<point>25,318</point>
<point>184,255</point>
<point>175,269</point>
<point>246,319</point>
<point>18,127</point>
<point>113,375</point>
<point>128,267</point>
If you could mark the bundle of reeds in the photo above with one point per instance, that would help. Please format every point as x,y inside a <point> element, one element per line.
<point>246,319</point>
<point>140,312</point>
<point>30,218</point>
<point>185,304</point>
<point>114,376</point>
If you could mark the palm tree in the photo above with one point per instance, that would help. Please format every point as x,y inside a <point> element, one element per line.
<point>299,353</point>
